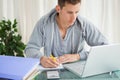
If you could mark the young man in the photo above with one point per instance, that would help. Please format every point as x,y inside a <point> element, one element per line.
<point>62,33</point>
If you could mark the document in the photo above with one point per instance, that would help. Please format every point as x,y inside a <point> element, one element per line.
<point>41,68</point>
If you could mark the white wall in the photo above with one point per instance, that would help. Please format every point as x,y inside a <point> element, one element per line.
<point>105,14</point>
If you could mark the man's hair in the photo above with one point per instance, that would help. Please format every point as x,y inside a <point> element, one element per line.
<point>61,3</point>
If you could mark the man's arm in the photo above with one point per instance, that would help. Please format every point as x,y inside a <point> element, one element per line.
<point>93,36</point>
<point>35,43</point>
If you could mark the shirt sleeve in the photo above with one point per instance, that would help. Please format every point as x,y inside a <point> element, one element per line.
<point>93,37</point>
<point>83,54</point>
<point>35,43</point>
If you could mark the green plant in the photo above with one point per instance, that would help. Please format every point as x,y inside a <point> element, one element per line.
<point>10,40</point>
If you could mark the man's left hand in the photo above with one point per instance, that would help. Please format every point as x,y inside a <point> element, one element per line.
<point>68,58</point>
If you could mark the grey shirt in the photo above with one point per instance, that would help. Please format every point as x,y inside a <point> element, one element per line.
<point>46,34</point>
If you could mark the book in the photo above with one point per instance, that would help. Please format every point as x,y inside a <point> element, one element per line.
<point>17,68</point>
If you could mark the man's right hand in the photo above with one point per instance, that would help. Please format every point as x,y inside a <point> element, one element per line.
<point>48,62</point>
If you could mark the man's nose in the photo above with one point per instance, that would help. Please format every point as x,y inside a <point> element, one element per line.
<point>74,16</point>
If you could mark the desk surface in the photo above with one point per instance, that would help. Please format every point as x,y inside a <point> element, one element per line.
<point>67,75</point>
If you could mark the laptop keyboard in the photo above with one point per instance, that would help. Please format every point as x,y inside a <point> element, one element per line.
<point>76,67</point>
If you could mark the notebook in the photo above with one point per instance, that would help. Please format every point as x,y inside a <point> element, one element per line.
<point>41,68</point>
<point>17,68</point>
<point>101,59</point>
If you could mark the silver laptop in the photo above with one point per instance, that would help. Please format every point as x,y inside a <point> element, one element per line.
<point>101,59</point>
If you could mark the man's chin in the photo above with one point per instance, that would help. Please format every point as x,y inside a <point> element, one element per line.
<point>71,24</point>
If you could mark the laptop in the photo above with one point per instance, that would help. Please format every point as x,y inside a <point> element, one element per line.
<point>101,59</point>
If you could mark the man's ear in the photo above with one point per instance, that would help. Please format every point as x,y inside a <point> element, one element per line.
<point>57,8</point>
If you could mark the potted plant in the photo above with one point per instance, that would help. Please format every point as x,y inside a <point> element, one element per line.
<point>10,40</point>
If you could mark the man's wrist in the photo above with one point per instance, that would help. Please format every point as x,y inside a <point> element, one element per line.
<point>41,59</point>
<point>78,56</point>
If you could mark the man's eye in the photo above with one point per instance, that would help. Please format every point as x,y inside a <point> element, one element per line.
<point>77,12</point>
<point>70,12</point>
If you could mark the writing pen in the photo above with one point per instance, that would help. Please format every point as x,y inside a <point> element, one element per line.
<point>52,57</point>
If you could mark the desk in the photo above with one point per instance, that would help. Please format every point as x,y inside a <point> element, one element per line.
<point>67,75</point>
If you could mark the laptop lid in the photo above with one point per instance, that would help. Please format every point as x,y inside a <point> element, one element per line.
<point>102,59</point>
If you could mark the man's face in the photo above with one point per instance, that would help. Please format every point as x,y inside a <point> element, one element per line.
<point>69,13</point>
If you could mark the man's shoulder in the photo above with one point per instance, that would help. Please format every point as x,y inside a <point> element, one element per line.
<point>47,18</point>
<point>84,21</point>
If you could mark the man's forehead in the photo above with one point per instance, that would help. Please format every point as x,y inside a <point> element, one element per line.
<point>71,6</point>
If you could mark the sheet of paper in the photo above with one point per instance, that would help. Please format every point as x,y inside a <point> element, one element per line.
<point>59,67</point>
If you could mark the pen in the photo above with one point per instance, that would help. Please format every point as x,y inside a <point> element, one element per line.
<point>53,58</point>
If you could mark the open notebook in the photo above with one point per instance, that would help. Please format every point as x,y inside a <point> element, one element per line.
<point>101,59</point>
<point>41,68</point>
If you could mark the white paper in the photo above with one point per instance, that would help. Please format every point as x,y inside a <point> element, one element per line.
<point>59,67</point>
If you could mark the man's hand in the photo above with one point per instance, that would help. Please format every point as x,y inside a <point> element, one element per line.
<point>69,58</point>
<point>48,62</point>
